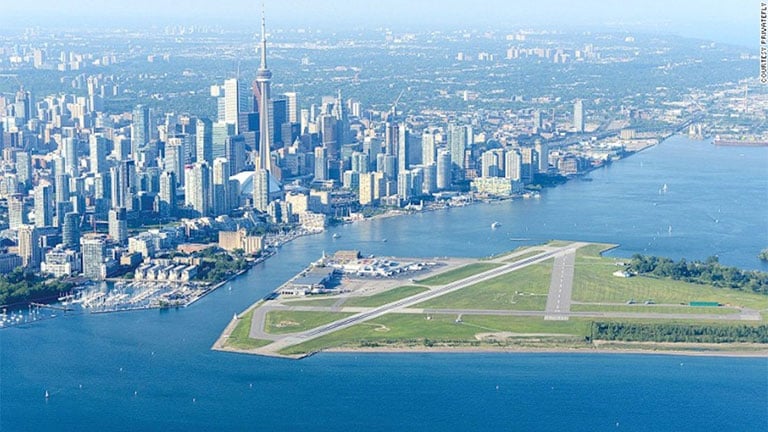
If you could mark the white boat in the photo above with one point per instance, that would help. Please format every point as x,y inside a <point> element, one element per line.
<point>495,225</point>
<point>336,235</point>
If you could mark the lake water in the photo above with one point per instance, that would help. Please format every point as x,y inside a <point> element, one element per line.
<point>153,370</point>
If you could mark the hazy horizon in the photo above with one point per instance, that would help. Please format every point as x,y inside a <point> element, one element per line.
<point>736,22</point>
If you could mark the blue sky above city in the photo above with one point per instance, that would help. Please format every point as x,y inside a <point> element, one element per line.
<point>731,21</point>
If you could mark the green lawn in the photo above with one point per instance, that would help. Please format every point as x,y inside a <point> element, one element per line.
<point>558,243</point>
<point>640,308</point>
<point>594,283</point>
<point>283,322</point>
<point>506,253</point>
<point>239,337</point>
<point>417,330</point>
<point>594,249</point>
<point>385,297</point>
<point>458,273</point>
<point>511,291</point>
<point>325,301</point>
<point>523,256</point>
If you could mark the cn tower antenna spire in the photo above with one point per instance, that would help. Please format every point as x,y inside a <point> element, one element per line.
<point>263,38</point>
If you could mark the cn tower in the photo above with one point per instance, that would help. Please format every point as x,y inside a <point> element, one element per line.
<point>263,77</point>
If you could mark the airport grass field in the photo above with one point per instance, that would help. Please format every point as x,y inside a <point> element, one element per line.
<point>239,337</point>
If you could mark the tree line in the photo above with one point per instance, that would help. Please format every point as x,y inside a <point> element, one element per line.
<point>19,286</point>
<point>217,265</point>
<point>708,272</point>
<point>675,332</point>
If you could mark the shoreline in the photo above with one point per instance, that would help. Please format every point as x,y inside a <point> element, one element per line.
<point>763,353</point>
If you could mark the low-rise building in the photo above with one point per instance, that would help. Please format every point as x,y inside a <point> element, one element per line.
<point>496,186</point>
<point>61,262</point>
<point>232,240</point>
<point>314,222</point>
<point>312,281</point>
<point>8,262</point>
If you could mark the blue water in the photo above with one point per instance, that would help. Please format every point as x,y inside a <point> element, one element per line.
<point>153,370</point>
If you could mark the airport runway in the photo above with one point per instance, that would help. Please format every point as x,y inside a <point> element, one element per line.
<point>561,286</point>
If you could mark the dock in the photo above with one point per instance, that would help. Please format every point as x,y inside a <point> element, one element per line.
<point>52,307</point>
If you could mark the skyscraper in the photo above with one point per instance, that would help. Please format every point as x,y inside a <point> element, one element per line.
<point>578,116</point>
<point>234,153</point>
<point>428,146</point>
<point>321,163</point>
<point>293,106</point>
<point>118,225</point>
<point>221,131</point>
<point>220,194</point>
<point>542,149</point>
<point>429,184</point>
<point>513,162</point>
<point>174,160</point>
<point>492,163</point>
<point>279,118</point>
<point>94,252</point>
<point>98,154</point>
<point>70,232</point>
<point>29,246</point>
<point>62,188</point>
<point>15,210</point>
<point>44,205</point>
<point>23,169</point>
<point>204,140</point>
<point>403,149</point>
<point>167,195</point>
<point>530,164</point>
<point>197,192</point>
<point>328,126</point>
<point>235,103</point>
<point>443,170</point>
<point>261,190</point>
<point>123,182</point>
<point>359,162</point>
<point>140,129</point>
<point>457,144</point>
<point>69,153</point>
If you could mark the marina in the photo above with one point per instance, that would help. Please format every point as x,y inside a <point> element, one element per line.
<point>112,296</point>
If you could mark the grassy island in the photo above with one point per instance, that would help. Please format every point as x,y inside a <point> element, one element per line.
<point>557,296</point>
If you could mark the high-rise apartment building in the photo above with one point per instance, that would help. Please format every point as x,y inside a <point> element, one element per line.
<point>70,230</point>
<point>15,210</point>
<point>94,251</point>
<point>140,129</point>
<point>220,189</point>
<point>118,225</point>
<point>197,191</point>
<point>204,140</point>
<point>167,195</point>
<point>578,116</point>
<point>29,246</point>
<point>44,205</point>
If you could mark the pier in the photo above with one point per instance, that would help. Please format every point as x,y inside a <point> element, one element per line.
<point>52,307</point>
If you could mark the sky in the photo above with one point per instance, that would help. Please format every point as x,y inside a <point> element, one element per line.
<point>729,21</point>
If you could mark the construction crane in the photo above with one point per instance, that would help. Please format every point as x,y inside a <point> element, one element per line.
<point>394,104</point>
